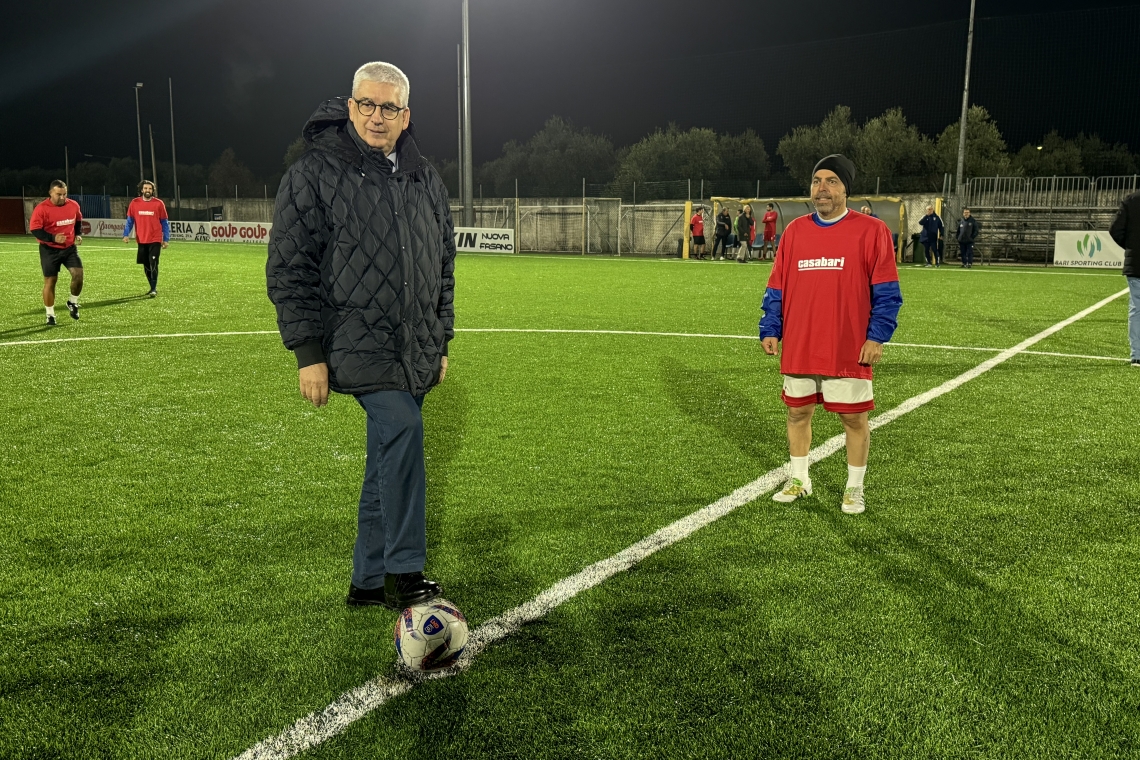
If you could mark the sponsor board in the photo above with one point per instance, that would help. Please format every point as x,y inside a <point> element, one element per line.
<point>201,232</point>
<point>484,240</point>
<point>1087,249</point>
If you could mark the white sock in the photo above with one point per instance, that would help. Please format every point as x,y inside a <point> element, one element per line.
<point>800,468</point>
<point>855,476</point>
<point>50,311</point>
<point>73,299</point>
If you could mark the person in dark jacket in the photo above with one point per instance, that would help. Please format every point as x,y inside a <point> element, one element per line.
<point>744,233</point>
<point>968,230</point>
<point>931,225</point>
<point>361,271</point>
<point>723,230</point>
<point>1125,230</point>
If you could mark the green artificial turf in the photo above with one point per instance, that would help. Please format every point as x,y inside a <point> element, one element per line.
<point>176,524</point>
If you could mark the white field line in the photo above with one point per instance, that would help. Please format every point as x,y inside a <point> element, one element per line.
<point>320,726</point>
<point>551,331</point>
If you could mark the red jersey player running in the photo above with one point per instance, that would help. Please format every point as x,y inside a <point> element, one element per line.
<point>56,224</point>
<point>147,216</point>
<point>833,298</point>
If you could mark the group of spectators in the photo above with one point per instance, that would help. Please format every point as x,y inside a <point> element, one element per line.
<point>966,231</point>
<point>739,234</point>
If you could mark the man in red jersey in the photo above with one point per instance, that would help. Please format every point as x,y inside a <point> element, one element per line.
<point>56,224</point>
<point>833,298</point>
<point>147,217</point>
<point>697,227</point>
<point>769,220</point>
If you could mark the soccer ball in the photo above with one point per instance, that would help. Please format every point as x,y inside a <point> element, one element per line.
<point>431,636</point>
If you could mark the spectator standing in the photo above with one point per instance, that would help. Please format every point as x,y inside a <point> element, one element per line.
<point>968,230</point>
<point>769,220</point>
<point>723,230</point>
<point>697,227</point>
<point>1125,230</point>
<point>744,233</point>
<point>931,228</point>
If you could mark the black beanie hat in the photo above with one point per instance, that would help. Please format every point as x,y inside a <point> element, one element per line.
<point>841,165</point>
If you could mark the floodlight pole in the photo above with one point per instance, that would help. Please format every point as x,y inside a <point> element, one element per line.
<point>960,182</point>
<point>173,152</point>
<point>468,170</point>
<point>459,118</point>
<point>138,124</point>
<point>153,163</point>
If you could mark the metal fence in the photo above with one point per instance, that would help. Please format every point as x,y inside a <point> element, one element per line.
<point>1049,192</point>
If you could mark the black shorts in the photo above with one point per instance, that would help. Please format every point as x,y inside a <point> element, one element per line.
<point>51,259</point>
<point>148,251</point>
<point>698,239</point>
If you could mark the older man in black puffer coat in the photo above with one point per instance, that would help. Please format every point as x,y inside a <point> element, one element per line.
<point>361,270</point>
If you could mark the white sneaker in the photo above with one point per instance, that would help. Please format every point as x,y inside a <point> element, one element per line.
<point>792,490</point>
<point>853,501</point>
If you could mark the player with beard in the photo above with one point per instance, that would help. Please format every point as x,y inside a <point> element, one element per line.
<point>833,298</point>
<point>147,217</point>
<point>56,224</point>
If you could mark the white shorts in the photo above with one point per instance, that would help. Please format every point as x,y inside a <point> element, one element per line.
<point>845,395</point>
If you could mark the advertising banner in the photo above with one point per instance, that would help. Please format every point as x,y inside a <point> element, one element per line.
<point>200,232</point>
<point>1094,250</point>
<point>484,240</point>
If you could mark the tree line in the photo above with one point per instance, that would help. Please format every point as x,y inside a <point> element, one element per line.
<point>890,153</point>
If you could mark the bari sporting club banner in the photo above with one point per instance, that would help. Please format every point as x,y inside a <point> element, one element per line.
<point>201,232</point>
<point>483,240</point>
<point>1094,250</point>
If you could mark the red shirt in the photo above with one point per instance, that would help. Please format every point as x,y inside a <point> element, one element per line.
<point>698,223</point>
<point>826,274</point>
<point>54,219</point>
<point>148,216</point>
<point>770,225</point>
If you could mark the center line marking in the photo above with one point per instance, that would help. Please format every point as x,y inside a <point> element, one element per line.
<point>318,727</point>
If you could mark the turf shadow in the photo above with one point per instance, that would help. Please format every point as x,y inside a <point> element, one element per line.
<point>80,685</point>
<point>86,305</point>
<point>711,398</point>
<point>1011,652</point>
<point>17,332</point>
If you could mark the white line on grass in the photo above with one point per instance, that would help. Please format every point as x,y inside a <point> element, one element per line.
<point>550,331</point>
<point>318,727</point>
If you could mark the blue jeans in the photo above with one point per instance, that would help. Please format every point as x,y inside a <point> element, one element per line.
<point>1134,316</point>
<point>967,254</point>
<point>391,523</point>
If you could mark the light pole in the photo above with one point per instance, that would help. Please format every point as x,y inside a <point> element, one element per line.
<point>468,171</point>
<point>959,180</point>
<point>173,152</point>
<point>138,123</point>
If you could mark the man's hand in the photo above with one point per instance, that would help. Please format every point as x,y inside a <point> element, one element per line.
<point>126,239</point>
<point>442,368</point>
<point>79,240</point>
<point>164,244</point>
<point>60,238</point>
<point>771,346</point>
<point>871,353</point>
<point>315,383</point>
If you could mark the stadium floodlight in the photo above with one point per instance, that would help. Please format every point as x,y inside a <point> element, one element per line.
<point>468,168</point>
<point>961,182</point>
<point>138,123</point>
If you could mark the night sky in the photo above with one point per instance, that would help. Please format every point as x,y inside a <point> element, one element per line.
<point>247,74</point>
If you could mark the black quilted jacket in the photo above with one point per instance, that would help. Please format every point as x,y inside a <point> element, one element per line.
<point>362,261</point>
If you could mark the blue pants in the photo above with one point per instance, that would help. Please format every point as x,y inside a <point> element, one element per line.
<point>932,256</point>
<point>1134,317</point>
<point>391,524</point>
<point>967,254</point>
<point>722,242</point>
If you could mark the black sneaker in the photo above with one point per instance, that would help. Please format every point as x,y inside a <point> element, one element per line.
<point>152,294</point>
<point>73,310</point>
<point>1135,362</point>
<point>51,320</point>
<point>409,589</point>
<point>366,597</point>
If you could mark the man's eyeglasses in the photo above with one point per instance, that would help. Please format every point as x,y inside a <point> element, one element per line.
<point>387,110</point>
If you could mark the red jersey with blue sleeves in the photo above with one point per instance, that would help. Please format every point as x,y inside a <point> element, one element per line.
<point>832,288</point>
<point>149,220</point>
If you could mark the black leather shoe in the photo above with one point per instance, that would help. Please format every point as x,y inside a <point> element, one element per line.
<point>409,589</point>
<point>365,597</point>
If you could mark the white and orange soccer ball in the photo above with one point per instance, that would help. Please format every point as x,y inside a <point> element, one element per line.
<point>431,636</point>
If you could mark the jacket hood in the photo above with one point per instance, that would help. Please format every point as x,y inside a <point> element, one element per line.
<point>327,129</point>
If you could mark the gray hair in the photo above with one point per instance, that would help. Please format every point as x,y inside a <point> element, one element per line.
<point>386,73</point>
